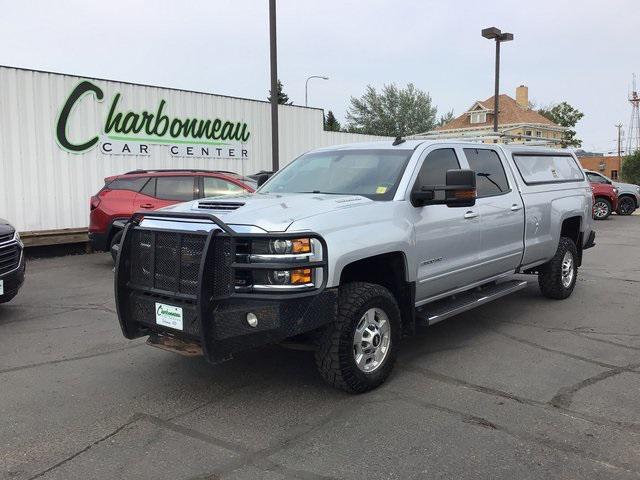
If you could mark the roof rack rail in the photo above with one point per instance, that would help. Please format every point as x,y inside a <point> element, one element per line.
<point>192,170</point>
<point>488,137</point>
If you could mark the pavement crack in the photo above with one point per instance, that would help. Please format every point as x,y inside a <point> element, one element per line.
<point>297,434</point>
<point>70,359</point>
<point>597,420</point>
<point>564,397</point>
<point>195,434</point>
<point>550,350</point>
<point>114,432</point>
<point>522,436</point>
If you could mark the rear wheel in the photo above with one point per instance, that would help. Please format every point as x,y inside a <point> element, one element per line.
<point>557,278</point>
<point>601,208</point>
<point>626,206</point>
<point>358,350</point>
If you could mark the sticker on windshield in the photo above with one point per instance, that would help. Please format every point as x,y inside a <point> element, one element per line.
<point>169,316</point>
<point>381,189</point>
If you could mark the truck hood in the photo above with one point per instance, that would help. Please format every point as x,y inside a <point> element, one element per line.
<point>269,211</point>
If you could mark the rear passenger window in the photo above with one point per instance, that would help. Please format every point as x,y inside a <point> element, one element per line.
<point>217,186</point>
<point>174,188</point>
<point>435,166</point>
<point>133,184</point>
<point>549,169</point>
<point>490,177</point>
<point>150,188</point>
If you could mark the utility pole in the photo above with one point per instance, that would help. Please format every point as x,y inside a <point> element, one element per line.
<point>619,127</point>
<point>273,49</point>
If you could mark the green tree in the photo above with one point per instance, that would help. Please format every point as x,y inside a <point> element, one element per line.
<point>446,118</point>
<point>630,170</point>
<point>394,111</point>
<point>331,124</point>
<point>283,98</point>
<point>566,116</point>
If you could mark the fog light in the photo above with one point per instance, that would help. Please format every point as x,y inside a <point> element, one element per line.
<point>252,320</point>
<point>301,276</point>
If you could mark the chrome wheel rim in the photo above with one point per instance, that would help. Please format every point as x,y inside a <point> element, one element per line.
<point>600,209</point>
<point>567,270</point>
<point>371,340</point>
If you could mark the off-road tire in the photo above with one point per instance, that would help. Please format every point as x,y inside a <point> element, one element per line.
<point>626,206</point>
<point>8,298</point>
<point>335,355</point>
<point>550,274</point>
<point>607,204</point>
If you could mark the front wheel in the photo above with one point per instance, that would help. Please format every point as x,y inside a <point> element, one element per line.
<point>358,350</point>
<point>601,209</point>
<point>626,206</point>
<point>557,278</point>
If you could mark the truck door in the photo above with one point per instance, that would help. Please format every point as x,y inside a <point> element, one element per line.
<point>447,239</point>
<point>501,211</point>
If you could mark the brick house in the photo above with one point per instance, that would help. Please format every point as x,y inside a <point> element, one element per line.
<point>516,118</point>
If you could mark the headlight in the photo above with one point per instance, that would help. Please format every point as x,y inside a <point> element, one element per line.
<point>281,246</point>
<point>615,190</point>
<point>299,277</point>
<point>280,264</point>
<point>638,189</point>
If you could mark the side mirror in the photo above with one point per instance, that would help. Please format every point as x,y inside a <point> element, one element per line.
<point>459,191</point>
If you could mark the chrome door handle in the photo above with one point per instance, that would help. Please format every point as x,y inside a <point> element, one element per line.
<point>515,207</point>
<point>470,214</point>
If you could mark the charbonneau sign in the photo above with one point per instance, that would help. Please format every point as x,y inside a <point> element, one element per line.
<point>131,133</point>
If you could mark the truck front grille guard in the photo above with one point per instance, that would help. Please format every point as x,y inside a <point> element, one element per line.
<point>216,271</point>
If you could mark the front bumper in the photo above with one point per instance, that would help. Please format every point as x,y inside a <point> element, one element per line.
<point>195,271</point>
<point>98,241</point>
<point>12,280</point>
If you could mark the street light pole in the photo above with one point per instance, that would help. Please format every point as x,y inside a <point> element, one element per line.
<point>496,34</point>
<point>306,87</point>
<point>496,94</point>
<point>273,50</point>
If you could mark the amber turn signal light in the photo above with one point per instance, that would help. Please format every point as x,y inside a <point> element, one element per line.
<point>301,245</point>
<point>301,276</point>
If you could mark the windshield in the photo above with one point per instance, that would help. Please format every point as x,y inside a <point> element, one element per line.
<point>371,173</point>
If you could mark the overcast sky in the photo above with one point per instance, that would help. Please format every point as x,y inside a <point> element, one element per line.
<point>582,52</point>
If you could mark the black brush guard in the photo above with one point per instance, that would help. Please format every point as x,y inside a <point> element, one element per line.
<point>197,271</point>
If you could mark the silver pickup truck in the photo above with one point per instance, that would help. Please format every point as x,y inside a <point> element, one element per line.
<point>347,248</point>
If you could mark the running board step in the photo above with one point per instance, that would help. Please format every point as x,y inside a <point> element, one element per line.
<point>450,306</point>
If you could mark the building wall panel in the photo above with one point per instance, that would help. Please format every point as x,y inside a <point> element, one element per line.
<point>44,187</point>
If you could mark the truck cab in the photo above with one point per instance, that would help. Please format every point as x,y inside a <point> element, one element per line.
<point>348,248</point>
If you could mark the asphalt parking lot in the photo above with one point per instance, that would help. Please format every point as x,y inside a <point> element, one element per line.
<point>521,388</point>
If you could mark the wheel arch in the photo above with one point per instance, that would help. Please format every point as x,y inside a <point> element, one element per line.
<point>390,271</point>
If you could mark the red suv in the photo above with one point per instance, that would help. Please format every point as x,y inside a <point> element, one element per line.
<point>605,197</point>
<point>122,195</point>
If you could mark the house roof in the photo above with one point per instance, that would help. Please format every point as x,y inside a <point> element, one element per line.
<point>510,113</point>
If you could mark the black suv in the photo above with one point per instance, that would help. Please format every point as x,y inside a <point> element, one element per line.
<point>12,264</point>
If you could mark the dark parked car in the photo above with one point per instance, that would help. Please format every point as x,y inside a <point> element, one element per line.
<point>12,264</point>
<point>122,195</point>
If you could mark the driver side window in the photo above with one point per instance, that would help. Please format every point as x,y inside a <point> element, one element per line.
<point>434,169</point>
<point>435,165</point>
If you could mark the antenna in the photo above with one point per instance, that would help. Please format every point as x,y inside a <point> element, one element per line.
<point>633,132</point>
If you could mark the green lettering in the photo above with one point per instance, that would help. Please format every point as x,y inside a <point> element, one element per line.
<point>82,89</point>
